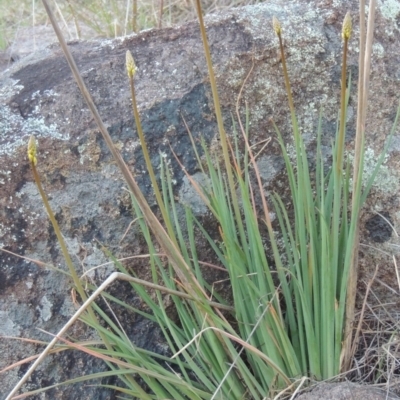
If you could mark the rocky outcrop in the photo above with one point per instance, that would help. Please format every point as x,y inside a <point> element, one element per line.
<point>38,96</point>
<point>345,391</point>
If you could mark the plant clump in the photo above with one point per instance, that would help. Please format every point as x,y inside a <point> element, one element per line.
<point>287,320</point>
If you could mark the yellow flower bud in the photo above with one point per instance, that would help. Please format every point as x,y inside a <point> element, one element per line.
<point>277,25</point>
<point>347,26</point>
<point>32,150</point>
<point>130,64</point>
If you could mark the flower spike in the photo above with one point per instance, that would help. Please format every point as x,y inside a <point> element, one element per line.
<point>277,25</point>
<point>347,26</point>
<point>130,64</point>
<point>32,150</point>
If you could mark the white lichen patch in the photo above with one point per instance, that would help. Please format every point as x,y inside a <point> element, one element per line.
<point>83,154</point>
<point>30,190</point>
<point>165,162</point>
<point>5,176</point>
<point>96,264</point>
<point>390,10</point>
<point>67,309</point>
<point>30,214</point>
<point>111,171</point>
<point>50,93</point>
<point>386,181</point>
<point>189,196</point>
<point>111,43</point>
<point>303,55</point>
<point>73,245</point>
<point>10,89</point>
<point>45,309</point>
<point>39,97</point>
<point>5,232</point>
<point>268,168</point>
<point>35,95</point>
<point>306,21</point>
<point>131,145</point>
<point>256,19</point>
<point>395,145</point>
<point>7,326</point>
<point>107,43</point>
<point>15,130</point>
<point>378,50</point>
<point>236,77</point>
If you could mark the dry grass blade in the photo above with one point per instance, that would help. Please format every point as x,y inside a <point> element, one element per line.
<point>181,268</point>
<point>160,15</point>
<point>113,277</point>
<point>242,349</point>
<point>298,384</point>
<point>292,285</point>
<point>363,84</point>
<point>358,330</point>
<point>26,360</point>
<point>243,343</point>
<point>37,262</point>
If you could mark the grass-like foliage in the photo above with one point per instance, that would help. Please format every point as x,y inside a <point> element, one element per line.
<point>290,292</point>
<point>83,19</point>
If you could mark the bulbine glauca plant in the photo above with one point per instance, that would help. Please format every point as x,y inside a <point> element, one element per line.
<point>288,319</point>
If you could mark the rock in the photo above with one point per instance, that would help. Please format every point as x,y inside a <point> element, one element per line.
<point>345,391</point>
<point>38,96</point>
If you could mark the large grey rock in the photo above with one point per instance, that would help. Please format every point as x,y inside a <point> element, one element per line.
<point>346,391</point>
<point>38,95</point>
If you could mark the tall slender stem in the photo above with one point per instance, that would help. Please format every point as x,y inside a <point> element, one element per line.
<point>340,145</point>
